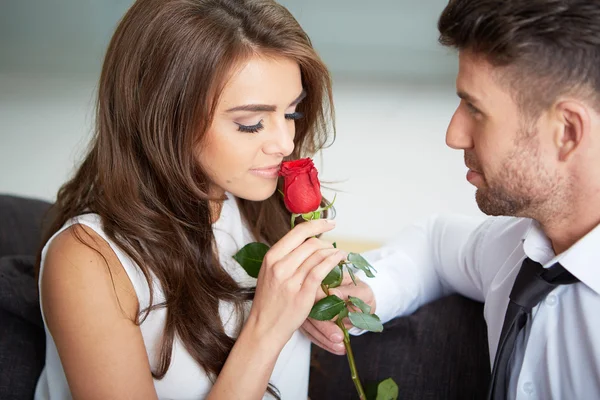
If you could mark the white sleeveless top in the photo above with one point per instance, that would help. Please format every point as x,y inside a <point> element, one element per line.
<point>185,379</point>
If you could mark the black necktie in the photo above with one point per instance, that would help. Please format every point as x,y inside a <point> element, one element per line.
<point>533,283</point>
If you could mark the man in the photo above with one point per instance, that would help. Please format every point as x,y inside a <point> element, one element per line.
<point>529,125</point>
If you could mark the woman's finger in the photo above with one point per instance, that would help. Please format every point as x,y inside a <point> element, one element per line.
<point>296,237</point>
<point>309,253</point>
<point>315,259</point>
<point>312,280</point>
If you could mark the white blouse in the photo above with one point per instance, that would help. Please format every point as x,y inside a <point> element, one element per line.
<point>185,379</point>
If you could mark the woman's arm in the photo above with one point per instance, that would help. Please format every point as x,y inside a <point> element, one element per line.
<point>92,321</point>
<point>102,350</point>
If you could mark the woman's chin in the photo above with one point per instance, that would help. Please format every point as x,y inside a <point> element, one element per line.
<point>255,193</point>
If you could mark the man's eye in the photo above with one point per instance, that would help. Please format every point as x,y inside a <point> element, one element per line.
<point>250,128</point>
<point>472,109</point>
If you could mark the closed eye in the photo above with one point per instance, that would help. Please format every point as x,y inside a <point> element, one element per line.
<point>251,128</point>
<point>258,127</point>
<point>472,109</point>
<point>294,116</point>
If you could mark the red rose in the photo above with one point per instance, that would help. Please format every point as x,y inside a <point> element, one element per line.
<point>301,186</point>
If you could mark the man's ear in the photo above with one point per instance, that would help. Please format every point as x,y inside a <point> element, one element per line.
<point>574,127</point>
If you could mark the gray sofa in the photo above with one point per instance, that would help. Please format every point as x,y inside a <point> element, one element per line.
<point>440,352</point>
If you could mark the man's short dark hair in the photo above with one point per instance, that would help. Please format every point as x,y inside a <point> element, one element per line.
<point>549,47</point>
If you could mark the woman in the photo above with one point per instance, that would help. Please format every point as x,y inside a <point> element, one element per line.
<point>199,101</point>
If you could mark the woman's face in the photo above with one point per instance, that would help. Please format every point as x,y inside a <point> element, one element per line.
<point>253,128</point>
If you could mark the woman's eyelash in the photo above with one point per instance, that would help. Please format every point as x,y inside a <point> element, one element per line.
<point>294,116</point>
<point>258,127</point>
<point>250,128</point>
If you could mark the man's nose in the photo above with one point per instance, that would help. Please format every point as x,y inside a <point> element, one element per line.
<point>458,133</point>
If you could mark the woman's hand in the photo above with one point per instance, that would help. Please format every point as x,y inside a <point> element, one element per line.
<point>289,279</point>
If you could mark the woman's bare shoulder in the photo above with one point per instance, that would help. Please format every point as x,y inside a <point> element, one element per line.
<point>80,263</point>
<point>90,309</point>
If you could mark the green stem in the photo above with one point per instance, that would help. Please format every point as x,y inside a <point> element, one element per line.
<point>349,353</point>
<point>340,323</point>
<point>353,371</point>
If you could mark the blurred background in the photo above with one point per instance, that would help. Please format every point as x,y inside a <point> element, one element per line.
<point>393,87</point>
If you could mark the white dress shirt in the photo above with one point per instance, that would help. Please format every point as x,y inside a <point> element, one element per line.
<point>480,260</point>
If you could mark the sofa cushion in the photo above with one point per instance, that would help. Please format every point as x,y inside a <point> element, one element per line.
<point>20,222</point>
<point>18,289</point>
<point>22,337</point>
<point>439,352</point>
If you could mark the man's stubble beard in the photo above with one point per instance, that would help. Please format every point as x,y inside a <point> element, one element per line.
<point>522,186</point>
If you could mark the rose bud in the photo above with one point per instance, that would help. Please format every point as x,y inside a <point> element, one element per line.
<point>301,186</point>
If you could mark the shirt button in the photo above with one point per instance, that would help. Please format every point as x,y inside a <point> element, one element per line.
<point>551,300</point>
<point>528,388</point>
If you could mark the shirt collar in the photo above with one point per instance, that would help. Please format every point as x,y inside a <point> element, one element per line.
<point>582,259</point>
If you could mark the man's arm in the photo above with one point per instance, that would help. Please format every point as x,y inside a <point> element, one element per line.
<point>426,261</point>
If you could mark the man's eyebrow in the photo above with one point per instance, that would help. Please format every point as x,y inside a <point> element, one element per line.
<point>265,107</point>
<point>467,97</point>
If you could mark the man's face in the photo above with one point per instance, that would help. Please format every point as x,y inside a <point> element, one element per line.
<point>505,154</point>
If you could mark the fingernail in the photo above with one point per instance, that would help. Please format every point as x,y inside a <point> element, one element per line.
<point>336,337</point>
<point>339,346</point>
<point>330,221</point>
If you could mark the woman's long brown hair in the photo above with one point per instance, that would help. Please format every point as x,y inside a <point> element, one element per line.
<point>162,75</point>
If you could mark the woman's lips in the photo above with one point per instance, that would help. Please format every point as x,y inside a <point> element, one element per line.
<point>269,172</point>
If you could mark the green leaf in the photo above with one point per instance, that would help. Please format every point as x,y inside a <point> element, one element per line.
<point>387,390</point>
<point>351,273</point>
<point>369,322</point>
<point>359,262</point>
<point>327,308</point>
<point>329,205</point>
<point>335,245</point>
<point>293,220</point>
<point>343,314</point>
<point>383,390</point>
<point>308,216</point>
<point>251,256</point>
<point>334,278</point>
<point>364,307</point>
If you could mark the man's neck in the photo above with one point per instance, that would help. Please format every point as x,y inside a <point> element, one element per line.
<point>566,228</point>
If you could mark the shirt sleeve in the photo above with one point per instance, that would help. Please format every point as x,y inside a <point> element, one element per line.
<point>427,261</point>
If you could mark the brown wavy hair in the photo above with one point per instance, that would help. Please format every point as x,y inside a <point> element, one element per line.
<point>164,69</point>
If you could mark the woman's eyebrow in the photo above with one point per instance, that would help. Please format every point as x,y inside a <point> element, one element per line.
<point>299,98</point>
<point>265,107</point>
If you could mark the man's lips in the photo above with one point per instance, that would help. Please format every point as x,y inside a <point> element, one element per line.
<point>474,176</point>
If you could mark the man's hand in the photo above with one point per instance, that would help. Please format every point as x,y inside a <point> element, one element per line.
<point>326,334</point>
